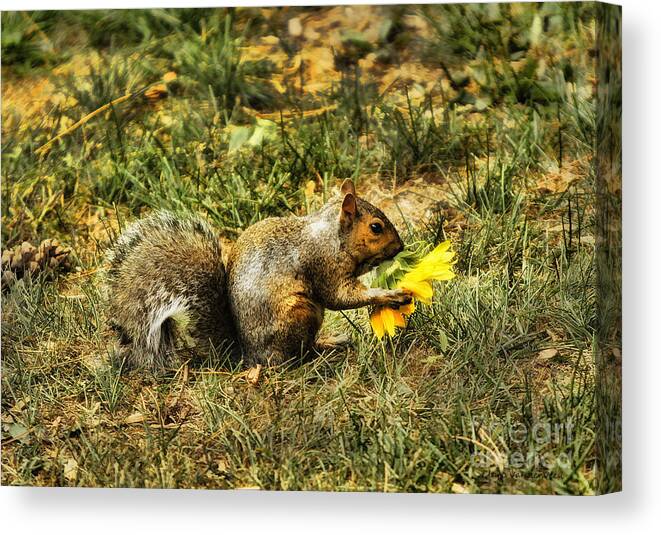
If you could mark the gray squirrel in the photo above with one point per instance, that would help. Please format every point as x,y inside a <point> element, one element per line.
<point>168,286</point>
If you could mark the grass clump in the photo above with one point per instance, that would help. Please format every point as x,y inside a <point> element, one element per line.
<point>211,61</point>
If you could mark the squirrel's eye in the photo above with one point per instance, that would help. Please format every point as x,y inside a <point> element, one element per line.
<point>377,228</point>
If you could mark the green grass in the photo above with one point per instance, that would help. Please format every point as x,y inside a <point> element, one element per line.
<point>490,389</point>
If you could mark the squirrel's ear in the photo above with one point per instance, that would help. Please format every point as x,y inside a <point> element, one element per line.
<point>348,187</point>
<point>349,208</point>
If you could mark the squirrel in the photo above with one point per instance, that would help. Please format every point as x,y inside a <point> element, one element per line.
<point>169,287</point>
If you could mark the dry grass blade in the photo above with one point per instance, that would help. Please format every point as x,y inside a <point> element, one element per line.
<point>160,86</point>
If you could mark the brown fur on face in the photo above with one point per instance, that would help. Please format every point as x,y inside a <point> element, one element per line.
<point>369,235</point>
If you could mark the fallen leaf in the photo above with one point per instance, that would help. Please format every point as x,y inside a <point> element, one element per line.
<point>17,431</point>
<point>135,418</point>
<point>71,470</point>
<point>295,27</point>
<point>20,405</point>
<point>253,374</point>
<point>7,419</point>
<point>548,354</point>
<point>270,40</point>
<point>459,489</point>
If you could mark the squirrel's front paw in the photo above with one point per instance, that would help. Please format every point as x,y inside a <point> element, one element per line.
<point>389,298</point>
<point>399,297</point>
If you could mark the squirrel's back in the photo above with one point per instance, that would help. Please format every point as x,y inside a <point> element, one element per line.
<point>167,287</point>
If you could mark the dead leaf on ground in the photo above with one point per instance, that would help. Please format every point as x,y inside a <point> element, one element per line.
<point>135,418</point>
<point>547,354</point>
<point>20,405</point>
<point>459,489</point>
<point>252,376</point>
<point>295,27</point>
<point>17,431</point>
<point>71,470</point>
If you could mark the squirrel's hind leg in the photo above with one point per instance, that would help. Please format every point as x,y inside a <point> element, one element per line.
<point>277,331</point>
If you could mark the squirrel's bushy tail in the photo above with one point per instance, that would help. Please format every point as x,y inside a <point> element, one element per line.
<point>166,288</point>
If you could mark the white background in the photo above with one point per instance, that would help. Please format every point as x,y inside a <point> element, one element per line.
<point>636,509</point>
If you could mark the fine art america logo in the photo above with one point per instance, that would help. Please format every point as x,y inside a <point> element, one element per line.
<point>521,446</point>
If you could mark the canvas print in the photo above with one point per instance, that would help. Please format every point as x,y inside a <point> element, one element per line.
<point>334,248</point>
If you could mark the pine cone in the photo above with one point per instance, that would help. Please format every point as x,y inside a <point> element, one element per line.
<point>26,258</point>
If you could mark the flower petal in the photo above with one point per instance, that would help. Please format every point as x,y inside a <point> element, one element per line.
<point>399,319</point>
<point>388,317</point>
<point>377,323</point>
<point>409,309</point>
<point>421,290</point>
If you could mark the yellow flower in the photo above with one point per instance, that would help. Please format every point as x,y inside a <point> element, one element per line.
<point>437,265</point>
